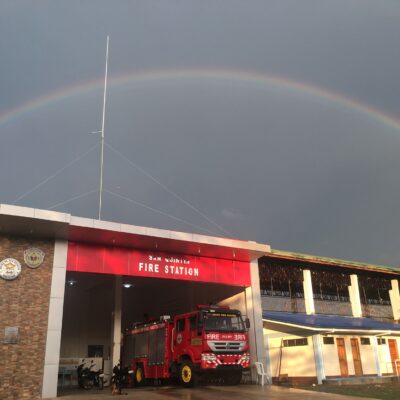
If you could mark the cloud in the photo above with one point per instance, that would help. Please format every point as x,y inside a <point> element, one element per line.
<point>232,215</point>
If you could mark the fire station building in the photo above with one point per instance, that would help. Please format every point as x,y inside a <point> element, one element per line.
<point>69,286</point>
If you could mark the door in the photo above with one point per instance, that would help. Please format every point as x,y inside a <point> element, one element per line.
<point>180,336</point>
<point>344,370</point>
<point>355,349</point>
<point>394,355</point>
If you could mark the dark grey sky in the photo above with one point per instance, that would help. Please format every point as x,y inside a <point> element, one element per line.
<point>266,162</point>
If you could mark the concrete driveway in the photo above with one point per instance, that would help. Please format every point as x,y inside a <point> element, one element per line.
<point>248,392</point>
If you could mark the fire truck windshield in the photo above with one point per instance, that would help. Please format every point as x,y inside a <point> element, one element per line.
<point>222,322</point>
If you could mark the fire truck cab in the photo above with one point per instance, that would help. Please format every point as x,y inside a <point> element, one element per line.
<point>211,340</point>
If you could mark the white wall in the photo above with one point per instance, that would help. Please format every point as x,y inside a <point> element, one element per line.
<point>87,320</point>
<point>368,358</point>
<point>299,360</point>
<point>237,302</point>
<point>331,359</point>
<point>54,328</point>
<point>295,361</point>
<point>384,355</point>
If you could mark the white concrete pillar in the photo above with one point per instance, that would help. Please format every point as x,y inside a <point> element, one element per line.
<point>267,365</point>
<point>258,352</point>
<point>54,326</point>
<point>318,358</point>
<point>308,292</point>
<point>355,300</point>
<point>395,299</point>
<point>374,342</point>
<point>116,333</point>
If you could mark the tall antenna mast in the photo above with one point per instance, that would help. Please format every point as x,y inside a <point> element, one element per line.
<point>102,132</point>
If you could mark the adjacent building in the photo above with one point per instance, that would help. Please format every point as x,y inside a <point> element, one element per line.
<point>326,318</point>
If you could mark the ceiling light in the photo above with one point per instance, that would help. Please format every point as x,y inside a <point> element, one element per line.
<point>127,285</point>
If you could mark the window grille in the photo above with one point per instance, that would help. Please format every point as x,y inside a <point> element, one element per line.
<point>295,342</point>
<point>365,341</point>
<point>328,340</point>
<point>374,289</point>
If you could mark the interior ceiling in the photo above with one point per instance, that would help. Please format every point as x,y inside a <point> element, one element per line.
<point>151,296</point>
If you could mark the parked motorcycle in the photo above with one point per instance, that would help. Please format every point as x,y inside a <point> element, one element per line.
<point>98,378</point>
<point>121,377</point>
<point>80,372</point>
<point>88,378</point>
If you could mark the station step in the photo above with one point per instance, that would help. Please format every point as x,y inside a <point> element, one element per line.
<point>361,380</point>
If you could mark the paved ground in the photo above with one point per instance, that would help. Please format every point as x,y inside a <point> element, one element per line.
<point>248,392</point>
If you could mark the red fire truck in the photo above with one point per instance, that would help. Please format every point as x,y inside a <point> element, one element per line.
<point>211,340</point>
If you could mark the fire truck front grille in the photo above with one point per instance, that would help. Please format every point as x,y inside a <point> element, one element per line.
<point>222,346</point>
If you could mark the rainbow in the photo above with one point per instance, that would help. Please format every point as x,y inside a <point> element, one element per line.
<point>220,75</point>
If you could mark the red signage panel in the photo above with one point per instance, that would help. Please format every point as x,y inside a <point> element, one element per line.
<point>123,261</point>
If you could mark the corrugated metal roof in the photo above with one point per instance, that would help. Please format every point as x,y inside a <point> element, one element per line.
<point>330,322</point>
<point>332,261</point>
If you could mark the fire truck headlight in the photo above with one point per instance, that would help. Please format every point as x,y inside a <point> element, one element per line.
<point>208,357</point>
<point>246,357</point>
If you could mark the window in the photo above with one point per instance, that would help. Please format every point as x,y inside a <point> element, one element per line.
<point>180,325</point>
<point>365,341</point>
<point>374,289</point>
<point>193,322</point>
<point>281,279</point>
<point>223,322</point>
<point>328,340</point>
<point>295,342</point>
<point>95,350</point>
<point>381,341</point>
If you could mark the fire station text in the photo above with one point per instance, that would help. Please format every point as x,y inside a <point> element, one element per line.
<point>168,269</point>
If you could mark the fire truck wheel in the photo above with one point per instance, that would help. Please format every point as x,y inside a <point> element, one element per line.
<point>187,375</point>
<point>139,376</point>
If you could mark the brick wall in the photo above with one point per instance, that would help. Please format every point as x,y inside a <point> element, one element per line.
<point>24,303</point>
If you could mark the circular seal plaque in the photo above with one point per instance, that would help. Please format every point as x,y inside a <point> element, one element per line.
<point>10,269</point>
<point>179,338</point>
<point>33,257</point>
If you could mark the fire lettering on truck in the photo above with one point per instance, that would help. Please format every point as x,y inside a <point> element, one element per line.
<point>213,336</point>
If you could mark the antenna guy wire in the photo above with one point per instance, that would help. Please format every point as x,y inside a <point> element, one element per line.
<point>169,190</point>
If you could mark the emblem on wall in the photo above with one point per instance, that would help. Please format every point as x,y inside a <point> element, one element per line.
<point>33,257</point>
<point>10,269</point>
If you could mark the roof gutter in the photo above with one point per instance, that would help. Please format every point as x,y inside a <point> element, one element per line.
<point>374,332</point>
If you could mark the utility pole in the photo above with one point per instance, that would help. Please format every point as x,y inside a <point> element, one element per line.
<point>102,132</point>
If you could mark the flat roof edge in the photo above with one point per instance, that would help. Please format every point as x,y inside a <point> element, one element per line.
<point>253,247</point>
<point>34,213</point>
<point>68,222</point>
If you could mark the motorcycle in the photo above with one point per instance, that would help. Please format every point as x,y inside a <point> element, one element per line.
<point>98,378</point>
<point>88,378</point>
<point>121,377</point>
<point>80,371</point>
